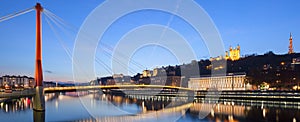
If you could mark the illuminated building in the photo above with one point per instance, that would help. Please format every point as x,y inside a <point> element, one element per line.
<point>166,80</point>
<point>234,53</point>
<point>121,79</point>
<point>18,81</point>
<point>296,61</point>
<point>1,84</point>
<point>30,83</point>
<point>291,50</point>
<point>160,72</point>
<point>50,84</point>
<point>105,81</point>
<point>155,72</point>
<point>229,82</point>
<point>146,73</point>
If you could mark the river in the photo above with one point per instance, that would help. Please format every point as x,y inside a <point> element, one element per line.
<point>86,106</point>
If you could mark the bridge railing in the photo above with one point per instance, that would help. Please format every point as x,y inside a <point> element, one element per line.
<point>16,94</point>
<point>70,88</point>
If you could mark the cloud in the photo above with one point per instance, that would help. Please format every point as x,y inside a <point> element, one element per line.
<point>48,71</point>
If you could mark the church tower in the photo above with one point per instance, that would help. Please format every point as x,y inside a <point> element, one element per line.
<point>234,53</point>
<point>291,50</point>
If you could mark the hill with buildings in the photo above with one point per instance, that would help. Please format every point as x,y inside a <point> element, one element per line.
<point>280,71</point>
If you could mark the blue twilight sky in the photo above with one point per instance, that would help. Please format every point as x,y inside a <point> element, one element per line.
<point>258,26</point>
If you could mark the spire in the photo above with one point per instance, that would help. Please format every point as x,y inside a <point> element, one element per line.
<point>291,50</point>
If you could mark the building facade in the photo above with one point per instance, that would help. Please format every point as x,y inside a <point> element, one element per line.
<point>234,53</point>
<point>18,81</point>
<point>50,84</point>
<point>122,79</point>
<point>166,80</point>
<point>1,84</point>
<point>146,73</point>
<point>105,81</point>
<point>228,82</point>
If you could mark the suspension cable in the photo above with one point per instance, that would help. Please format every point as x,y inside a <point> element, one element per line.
<point>107,49</point>
<point>106,46</point>
<point>66,49</point>
<point>107,69</point>
<point>59,39</point>
<point>124,56</point>
<point>118,61</point>
<point>61,42</point>
<point>7,17</point>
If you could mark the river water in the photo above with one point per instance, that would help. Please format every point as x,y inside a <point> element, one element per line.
<point>85,106</point>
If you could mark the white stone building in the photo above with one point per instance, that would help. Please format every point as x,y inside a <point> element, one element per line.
<point>229,82</point>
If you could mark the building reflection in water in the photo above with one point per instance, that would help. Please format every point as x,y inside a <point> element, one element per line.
<point>16,105</point>
<point>249,111</point>
<point>149,107</point>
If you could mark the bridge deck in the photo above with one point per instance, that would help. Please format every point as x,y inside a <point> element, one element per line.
<point>78,88</point>
<point>17,94</point>
<point>135,89</point>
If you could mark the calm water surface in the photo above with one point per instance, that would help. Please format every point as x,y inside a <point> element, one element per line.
<point>84,106</point>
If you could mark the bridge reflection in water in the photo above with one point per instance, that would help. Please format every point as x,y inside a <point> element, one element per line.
<point>149,109</point>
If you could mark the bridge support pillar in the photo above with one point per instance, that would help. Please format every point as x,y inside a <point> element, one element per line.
<point>38,99</point>
<point>39,116</point>
<point>191,96</point>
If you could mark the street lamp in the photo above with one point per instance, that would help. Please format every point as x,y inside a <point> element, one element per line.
<point>294,79</point>
<point>298,85</point>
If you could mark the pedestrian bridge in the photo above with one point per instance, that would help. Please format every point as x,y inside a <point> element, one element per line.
<point>136,88</point>
<point>107,87</point>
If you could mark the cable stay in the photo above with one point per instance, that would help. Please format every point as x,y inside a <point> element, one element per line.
<point>59,39</point>
<point>124,56</point>
<point>118,61</point>
<point>59,22</point>
<point>106,68</point>
<point>66,49</point>
<point>107,49</point>
<point>7,17</point>
<point>62,22</point>
<point>55,21</point>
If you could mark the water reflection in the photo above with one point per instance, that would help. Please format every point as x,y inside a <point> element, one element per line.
<point>243,111</point>
<point>39,116</point>
<point>68,106</point>
<point>15,105</point>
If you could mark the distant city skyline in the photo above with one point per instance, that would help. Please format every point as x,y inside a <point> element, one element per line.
<point>257,26</point>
